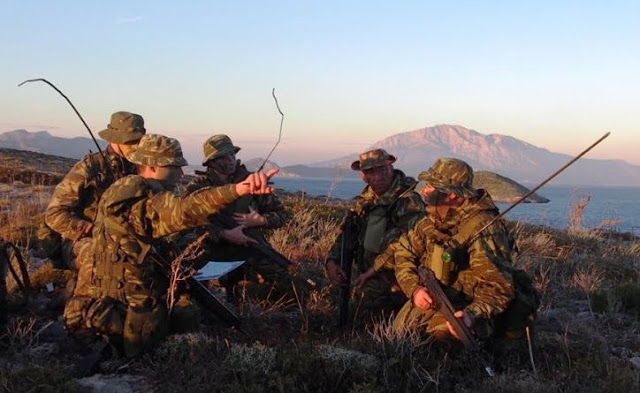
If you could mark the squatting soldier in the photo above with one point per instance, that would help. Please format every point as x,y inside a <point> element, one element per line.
<point>497,299</point>
<point>74,202</point>
<point>251,213</point>
<point>387,207</point>
<point>125,298</point>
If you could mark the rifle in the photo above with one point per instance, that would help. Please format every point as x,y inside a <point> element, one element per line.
<point>441,303</point>
<point>200,292</point>
<point>346,262</point>
<point>227,222</point>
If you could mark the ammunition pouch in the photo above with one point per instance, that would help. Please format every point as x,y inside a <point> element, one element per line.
<point>376,227</point>
<point>144,327</point>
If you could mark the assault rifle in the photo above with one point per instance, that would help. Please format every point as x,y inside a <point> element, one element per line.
<point>441,303</point>
<point>346,262</point>
<point>200,292</point>
<point>227,222</point>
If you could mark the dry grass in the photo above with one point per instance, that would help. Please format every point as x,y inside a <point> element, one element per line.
<point>584,340</point>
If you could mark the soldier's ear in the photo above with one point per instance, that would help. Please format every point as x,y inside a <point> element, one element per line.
<point>362,176</point>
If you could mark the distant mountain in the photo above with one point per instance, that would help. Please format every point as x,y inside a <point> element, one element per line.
<point>44,142</point>
<point>511,157</point>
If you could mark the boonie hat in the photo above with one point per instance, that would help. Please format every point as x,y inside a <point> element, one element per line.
<point>124,127</point>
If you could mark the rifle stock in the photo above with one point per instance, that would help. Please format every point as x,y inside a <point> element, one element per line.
<point>346,262</point>
<point>441,303</point>
<point>201,293</point>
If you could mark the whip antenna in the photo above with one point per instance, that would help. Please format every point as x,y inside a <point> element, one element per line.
<point>273,93</point>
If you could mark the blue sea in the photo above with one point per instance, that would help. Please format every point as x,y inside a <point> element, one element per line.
<point>616,208</point>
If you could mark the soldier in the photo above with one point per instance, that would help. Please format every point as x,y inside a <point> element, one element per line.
<point>385,209</point>
<point>251,213</point>
<point>125,298</point>
<point>493,298</point>
<point>74,202</point>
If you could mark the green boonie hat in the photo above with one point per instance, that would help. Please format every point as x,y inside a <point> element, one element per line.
<point>450,175</point>
<point>158,150</point>
<point>218,146</point>
<point>124,127</point>
<point>371,159</point>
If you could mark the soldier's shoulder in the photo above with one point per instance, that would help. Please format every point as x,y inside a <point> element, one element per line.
<point>128,187</point>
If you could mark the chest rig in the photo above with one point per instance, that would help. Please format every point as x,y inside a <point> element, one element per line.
<point>448,255</point>
<point>120,269</point>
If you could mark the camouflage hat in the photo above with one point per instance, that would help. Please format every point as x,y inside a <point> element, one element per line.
<point>158,150</point>
<point>124,127</point>
<point>371,159</point>
<point>218,146</point>
<point>450,175</point>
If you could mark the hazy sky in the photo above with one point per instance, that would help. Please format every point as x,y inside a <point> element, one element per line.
<point>557,74</point>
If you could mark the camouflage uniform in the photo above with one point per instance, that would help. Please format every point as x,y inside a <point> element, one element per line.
<point>256,267</point>
<point>480,278</point>
<point>125,298</point>
<point>378,223</point>
<point>74,202</point>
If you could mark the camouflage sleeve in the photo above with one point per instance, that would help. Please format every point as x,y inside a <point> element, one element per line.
<point>195,184</point>
<point>490,287</point>
<point>386,260</point>
<point>271,208</point>
<point>409,250</point>
<point>166,213</point>
<point>61,213</point>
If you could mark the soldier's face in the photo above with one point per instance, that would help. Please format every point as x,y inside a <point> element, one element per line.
<point>168,176</point>
<point>225,165</point>
<point>378,178</point>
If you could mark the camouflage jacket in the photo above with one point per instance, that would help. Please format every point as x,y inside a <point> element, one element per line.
<point>132,215</point>
<point>480,278</point>
<point>74,202</point>
<point>269,206</point>
<point>399,208</point>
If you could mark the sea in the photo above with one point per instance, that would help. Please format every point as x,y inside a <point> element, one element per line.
<point>609,208</point>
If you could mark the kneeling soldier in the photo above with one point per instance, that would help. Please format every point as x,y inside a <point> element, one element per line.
<point>493,298</point>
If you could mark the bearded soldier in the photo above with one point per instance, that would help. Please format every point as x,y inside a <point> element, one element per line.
<point>493,298</point>
<point>125,298</point>
<point>73,206</point>
<point>251,213</point>
<point>385,209</point>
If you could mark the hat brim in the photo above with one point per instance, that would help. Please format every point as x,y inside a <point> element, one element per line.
<point>220,153</point>
<point>357,165</point>
<point>462,191</point>
<point>113,136</point>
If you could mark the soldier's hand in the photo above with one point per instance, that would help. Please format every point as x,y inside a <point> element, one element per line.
<point>364,277</point>
<point>236,236</point>
<point>256,183</point>
<point>464,317</point>
<point>337,276</point>
<point>422,299</point>
<point>251,219</point>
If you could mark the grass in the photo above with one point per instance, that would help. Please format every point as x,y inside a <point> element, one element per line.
<point>583,341</point>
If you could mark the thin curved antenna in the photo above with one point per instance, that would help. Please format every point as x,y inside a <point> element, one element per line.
<point>72,106</point>
<point>273,93</point>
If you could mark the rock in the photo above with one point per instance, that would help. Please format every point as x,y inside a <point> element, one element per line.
<point>124,383</point>
<point>44,350</point>
<point>635,361</point>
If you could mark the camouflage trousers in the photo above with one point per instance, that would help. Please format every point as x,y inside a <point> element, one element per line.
<point>131,329</point>
<point>414,319</point>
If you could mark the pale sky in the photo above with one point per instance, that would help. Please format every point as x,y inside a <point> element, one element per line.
<point>556,74</point>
